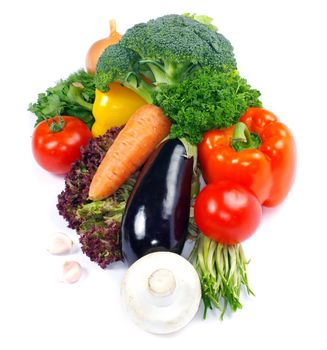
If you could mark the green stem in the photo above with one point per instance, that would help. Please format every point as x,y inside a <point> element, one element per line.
<point>158,71</point>
<point>200,256</point>
<point>176,71</point>
<point>206,244</point>
<point>141,88</point>
<point>191,151</point>
<point>222,272</point>
<point>232,256</point>
<point>55,126</point>
<point>75,95</point>
<point>195,187</point>
<point>210,258</point>
<point>241,133</point>
<point>243,139</point>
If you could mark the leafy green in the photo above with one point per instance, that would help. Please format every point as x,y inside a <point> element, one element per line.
<point>100,213</point>
<point>73,96</point>
<point>97,223</point>
<point>206,20</point>
<point>207,100</point>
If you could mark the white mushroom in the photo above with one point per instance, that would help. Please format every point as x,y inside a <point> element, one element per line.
<point>161,292</point>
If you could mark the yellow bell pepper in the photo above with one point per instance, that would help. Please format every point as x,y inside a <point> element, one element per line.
<point>113,108</point>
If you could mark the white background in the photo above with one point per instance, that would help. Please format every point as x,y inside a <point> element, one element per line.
<point>281,49</point>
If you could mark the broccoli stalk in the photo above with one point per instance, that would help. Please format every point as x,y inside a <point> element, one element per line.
<point>74,94</point>
<point>139,86</point>
<point>168,72</point>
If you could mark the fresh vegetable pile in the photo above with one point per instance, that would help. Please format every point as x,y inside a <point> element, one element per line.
<point>159,108</point>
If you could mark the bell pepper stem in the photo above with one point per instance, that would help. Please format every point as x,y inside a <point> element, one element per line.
<point>242,133</point>
<point>243,139</point>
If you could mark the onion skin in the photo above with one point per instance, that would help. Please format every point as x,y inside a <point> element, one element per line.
<point>98,47</point>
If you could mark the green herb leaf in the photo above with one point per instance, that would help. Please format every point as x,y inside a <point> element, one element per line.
<point>205,101</point>
<point>73,96</point>
<point>202,19</point>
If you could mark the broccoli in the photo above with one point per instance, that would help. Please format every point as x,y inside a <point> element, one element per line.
<point>165,50</point>
<point>118,63</point>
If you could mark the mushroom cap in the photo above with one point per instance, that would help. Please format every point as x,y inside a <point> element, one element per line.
<point>161,292</point>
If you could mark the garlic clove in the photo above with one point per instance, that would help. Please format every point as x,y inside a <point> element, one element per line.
<point>71,272</point>
<point>59,243</point>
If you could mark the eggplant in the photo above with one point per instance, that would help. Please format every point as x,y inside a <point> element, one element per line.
<point>157,212</point>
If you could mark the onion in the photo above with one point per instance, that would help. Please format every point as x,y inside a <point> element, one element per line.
<point>98,47</point>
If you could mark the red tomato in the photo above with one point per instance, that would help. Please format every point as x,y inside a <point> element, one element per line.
<point>227,212</point>
<point>55,151</point>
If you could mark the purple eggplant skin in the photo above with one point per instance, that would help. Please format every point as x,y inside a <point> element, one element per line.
<point>157,212</point>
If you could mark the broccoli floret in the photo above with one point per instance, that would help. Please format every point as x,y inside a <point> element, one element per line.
<point>119,64</point>
<point>166,50</point>
<point>173,46</point>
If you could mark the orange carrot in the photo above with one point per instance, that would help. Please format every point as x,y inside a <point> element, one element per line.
<point>133,145</point>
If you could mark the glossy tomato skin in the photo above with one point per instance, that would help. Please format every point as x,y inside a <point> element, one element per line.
<point>56,151</point>
<point>227,212</point>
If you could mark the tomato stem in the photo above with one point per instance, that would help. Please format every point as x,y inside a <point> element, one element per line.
<point>56,126</point>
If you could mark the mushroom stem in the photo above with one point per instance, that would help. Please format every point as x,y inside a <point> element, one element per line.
<point>162,283</point>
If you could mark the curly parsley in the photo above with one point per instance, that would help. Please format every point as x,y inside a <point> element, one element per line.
<point>205,101</point>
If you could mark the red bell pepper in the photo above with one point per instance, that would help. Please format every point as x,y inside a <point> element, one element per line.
<point>259,153</point>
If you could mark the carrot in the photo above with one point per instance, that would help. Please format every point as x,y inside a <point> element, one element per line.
<point>142,133</point>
